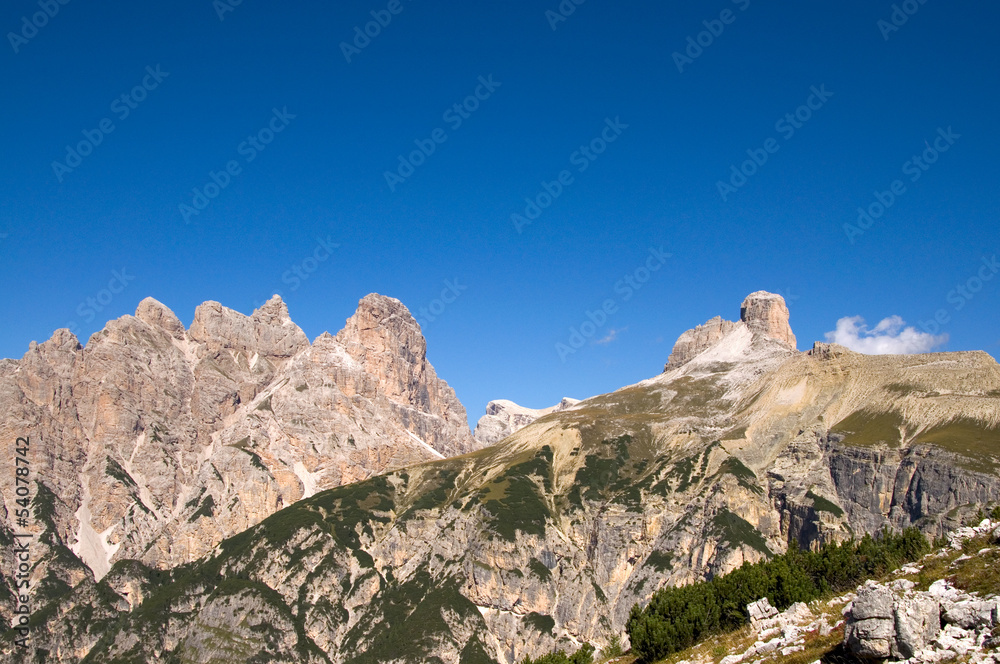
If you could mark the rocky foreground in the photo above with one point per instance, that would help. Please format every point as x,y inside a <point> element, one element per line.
<point>943,608</point>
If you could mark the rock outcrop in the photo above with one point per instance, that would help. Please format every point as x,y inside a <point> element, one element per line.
<point>896,621</point>
<point>504,417</point>
<point>766,313</point>
<point>763,314</point>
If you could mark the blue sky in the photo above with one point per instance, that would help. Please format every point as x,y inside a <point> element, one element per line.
<point>616,125</point>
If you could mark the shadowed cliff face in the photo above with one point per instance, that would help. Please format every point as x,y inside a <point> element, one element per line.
<point>550,536</point>
<point>155,443</point>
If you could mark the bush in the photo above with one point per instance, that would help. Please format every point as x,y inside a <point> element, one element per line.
<point>677,618</point>
<point>614,648</point>
<point>585,655</point>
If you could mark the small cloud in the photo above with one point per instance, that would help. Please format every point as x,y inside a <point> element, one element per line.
<point>890,336</point>
<point>611,336</point>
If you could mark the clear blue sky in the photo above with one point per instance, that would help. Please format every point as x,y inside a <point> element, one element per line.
<point>65,232</point>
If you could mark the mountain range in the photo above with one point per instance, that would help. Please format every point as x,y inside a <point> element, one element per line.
<point>232,492</point>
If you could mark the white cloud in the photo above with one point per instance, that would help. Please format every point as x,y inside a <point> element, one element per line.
<point>890,336</point>
<point>611,336</point>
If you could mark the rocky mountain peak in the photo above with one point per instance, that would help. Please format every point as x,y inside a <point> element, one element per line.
<point>767,314</point>
<point>272,312</point>
<point>380,324</point>
<point>763,316</point>
<point>268,331</point>
<point>158,315</point>
<point>697,339</point>
<point>386,340</point>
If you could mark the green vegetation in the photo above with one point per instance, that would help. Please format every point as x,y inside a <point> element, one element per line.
<point>444,483</point>
<point>867,428</point>
<point>512,501</point>
<point>744,476</point>
<point>902,388</point>
<point>737,531</point>
<point>410,618</point>
<point>540,622</point>
<point>539,569</point>
<point>611,473</point>
<point>821,504</point>
<point>585,655</point>
<point>115,470</point>
<point>976,442</point>
<point>301,388</point>
<point>683,472</point>
<point>207,509</point>
<point>677,618</point>
<point>659,560</point>
<point>255,460</point>
<point>614,647</point>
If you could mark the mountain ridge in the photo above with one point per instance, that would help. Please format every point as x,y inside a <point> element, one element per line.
<point>549,537</point>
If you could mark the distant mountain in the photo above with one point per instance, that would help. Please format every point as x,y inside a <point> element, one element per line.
<point>505,417</point>
<point>742,447</point>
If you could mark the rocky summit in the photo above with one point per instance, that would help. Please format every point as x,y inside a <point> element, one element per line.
<point>173,445</point>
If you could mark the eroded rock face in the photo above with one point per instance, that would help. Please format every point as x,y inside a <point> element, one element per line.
<point>881,624</point>
<point>897,621</point>
<point>155,442</point>
<point>385,340</point>
<point>767,314</point>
